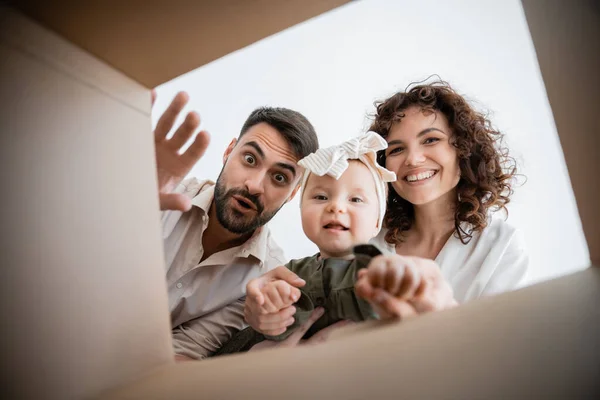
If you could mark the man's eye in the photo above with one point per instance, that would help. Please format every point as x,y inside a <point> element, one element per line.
<point>280,178</point>
<point>249,158</point>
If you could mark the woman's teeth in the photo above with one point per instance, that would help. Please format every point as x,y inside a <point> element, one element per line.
<point>420,177</point>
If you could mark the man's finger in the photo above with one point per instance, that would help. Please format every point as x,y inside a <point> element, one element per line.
<point>279,326</point>
<point>166,121</point>
<point>294,294</point>
<point>185,131</point>
<point>277,319</point>
<point>196,149</point>
<point>314,317</point>
<point>174,201</point>
<point>264,322</point>
<point>323,334</point>
<point>274,332</point>
<point>288,276</point>
<point>295,337</point>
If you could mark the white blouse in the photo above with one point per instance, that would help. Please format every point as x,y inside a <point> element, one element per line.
<point>494,261</point>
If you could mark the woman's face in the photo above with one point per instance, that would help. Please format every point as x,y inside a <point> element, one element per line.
<point>420,153</point>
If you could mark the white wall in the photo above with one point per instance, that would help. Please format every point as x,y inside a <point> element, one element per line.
<point>333,67</point>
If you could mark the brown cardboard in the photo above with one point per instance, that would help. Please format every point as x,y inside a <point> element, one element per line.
<point>84,303</point>
<point>540,342</point>
<point>153,42</point>
<point>83,287</point>
<point>566,36</point>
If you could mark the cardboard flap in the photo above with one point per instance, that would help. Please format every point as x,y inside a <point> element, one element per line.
<point>537,342</point>
<point>153,42</point>
<point>566,36</point>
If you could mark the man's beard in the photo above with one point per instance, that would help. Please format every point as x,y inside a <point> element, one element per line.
<point>233,220</point>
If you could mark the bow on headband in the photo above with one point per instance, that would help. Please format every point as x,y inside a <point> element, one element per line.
<point>333,161</point>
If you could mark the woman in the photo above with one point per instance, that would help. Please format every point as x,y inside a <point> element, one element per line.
<point>452,175</point>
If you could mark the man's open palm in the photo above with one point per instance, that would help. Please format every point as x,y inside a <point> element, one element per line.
<point>172,165</point>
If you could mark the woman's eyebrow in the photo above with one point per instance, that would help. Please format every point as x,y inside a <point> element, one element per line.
<point>423,132</point>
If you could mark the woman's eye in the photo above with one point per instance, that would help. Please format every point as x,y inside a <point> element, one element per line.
<point>431,140</point>
<point>280,178</point>
<point>395,150</point>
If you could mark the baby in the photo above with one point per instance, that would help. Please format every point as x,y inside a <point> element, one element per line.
<point>342,206</point>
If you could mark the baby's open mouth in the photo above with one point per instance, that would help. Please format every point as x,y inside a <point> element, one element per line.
<point>335,226</point>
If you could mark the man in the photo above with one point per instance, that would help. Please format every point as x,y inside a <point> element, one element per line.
<point>215,236</point>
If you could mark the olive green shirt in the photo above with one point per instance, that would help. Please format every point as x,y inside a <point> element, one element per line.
<point>329,284</point>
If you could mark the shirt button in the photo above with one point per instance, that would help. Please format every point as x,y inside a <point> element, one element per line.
<point>179,285</point>
<point>320,301</point>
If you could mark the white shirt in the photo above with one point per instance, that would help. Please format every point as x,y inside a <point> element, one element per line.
<point>204,296</point>
<point>494,261</point>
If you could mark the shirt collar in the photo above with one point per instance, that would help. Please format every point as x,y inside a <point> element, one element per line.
<point>258,243</point>
<point>204,199</point>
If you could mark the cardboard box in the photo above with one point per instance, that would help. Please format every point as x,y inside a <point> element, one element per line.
<point>85,307</point>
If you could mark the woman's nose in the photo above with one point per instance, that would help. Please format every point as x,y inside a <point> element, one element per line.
<point>414,156</point>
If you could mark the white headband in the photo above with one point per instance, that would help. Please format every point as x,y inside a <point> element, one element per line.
<point>333,161</point>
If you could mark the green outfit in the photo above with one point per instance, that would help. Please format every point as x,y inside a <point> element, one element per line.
<point>329,284</point>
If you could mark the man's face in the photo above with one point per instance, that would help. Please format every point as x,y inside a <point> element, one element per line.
<point>260,174</point>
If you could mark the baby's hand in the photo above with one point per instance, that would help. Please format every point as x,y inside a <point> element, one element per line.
<point>387,284</point>
<point>269,298</point>
<point>398,286</point>
<point>278,295</point>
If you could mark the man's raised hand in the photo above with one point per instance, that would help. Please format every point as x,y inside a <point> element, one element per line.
<point>172,165</point>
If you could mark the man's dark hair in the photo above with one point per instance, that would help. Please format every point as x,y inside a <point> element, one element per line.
<point>293,126</point>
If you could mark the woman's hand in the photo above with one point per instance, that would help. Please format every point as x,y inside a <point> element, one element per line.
<point>295,338</point>
<point>401,286</point>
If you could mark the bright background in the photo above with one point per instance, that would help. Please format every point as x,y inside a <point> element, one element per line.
<point>333,67</point>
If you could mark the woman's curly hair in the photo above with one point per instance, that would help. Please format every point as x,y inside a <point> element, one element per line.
<point>486,169</point>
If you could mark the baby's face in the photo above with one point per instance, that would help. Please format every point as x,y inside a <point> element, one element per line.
<point>340,214</point>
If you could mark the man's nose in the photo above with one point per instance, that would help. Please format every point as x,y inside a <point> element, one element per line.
<point>255,184</point>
